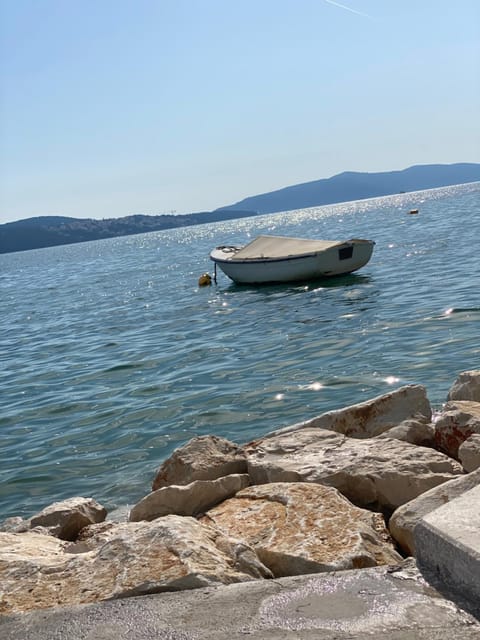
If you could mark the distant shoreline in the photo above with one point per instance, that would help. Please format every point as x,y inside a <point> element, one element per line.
<point>48,231</point>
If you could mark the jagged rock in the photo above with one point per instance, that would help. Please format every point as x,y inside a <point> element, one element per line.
<point>168,554</point>
<point>469,453</point>
<point>65,519</point>
<point>377,471</point>
<point>413,431</point>
<point>466,387</point>
<point>188,500</point>
<point>458,421</point>
<point>406,517</point>
<point>372,417</point>
<point>300,528</point>
<point>202,458</point>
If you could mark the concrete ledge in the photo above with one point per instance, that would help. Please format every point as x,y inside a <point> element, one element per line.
<point>378,603</point>
<point>447,544</point>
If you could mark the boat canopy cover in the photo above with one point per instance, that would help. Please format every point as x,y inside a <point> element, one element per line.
<point>281,247</point>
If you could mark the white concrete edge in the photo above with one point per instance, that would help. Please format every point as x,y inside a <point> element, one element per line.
<point>447,544</point>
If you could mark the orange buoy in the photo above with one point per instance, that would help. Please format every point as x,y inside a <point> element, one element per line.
<point>205,280</point>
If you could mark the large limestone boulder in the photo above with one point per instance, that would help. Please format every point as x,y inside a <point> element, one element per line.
<point>168,554</point>
<point>458,421</point>
<point>466,387</point>
<point>300,528</point>
<point>188,500</point>
<point>65,519</point>
<point>469,453</point>
<point>372,417</point>
<point>202,458</point>
<point>374,472</point>
<point>405,518</point>
<point>413,431</point>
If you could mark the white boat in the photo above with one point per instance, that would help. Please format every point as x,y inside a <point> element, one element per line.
<point>282,259</point>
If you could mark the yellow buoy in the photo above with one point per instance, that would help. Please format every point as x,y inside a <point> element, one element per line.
<point>205,280</point>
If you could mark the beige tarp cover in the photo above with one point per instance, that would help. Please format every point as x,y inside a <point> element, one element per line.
<point>280,247</point>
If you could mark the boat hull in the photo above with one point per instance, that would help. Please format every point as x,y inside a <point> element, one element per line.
<point>341,259</point>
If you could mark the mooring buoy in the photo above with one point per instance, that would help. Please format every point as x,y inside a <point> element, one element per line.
<point>205,280</point>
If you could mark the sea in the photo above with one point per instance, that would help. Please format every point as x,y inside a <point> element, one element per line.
<point>112,356</point>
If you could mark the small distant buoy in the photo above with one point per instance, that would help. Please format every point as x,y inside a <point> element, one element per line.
<point>205,280</point>
<point>413,211</point>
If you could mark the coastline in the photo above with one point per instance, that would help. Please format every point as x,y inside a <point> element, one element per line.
<point>406,482</point>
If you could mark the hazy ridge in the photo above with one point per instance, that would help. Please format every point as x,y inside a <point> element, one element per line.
<point>46,231</point>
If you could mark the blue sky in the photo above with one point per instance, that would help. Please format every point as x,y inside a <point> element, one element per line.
<point>110,108</point>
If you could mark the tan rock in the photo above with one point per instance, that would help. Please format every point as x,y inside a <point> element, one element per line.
<point>372,417</point>
<point>377,471</point>
<point>202,458</point>
<point>413,431</point>
<point>405,518</point>
<point>469,453</point>
<point>458,421</point>
<point>65,519</point>
<point>466,386</point>
<point>168,554</point>
<point>300,528</point>
<point>188,500</point>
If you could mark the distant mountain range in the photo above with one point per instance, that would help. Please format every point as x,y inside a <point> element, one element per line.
<point>352,185</point>
<point>46,231</point>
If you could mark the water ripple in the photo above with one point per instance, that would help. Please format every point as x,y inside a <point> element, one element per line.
<point>111,355</point>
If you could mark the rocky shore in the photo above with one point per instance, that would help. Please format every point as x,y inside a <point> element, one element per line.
<point>341,491</point>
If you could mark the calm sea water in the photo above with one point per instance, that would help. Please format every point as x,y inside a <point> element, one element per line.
<point>111,356</point>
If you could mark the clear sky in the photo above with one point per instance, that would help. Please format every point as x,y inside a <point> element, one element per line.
<point>115,107</point>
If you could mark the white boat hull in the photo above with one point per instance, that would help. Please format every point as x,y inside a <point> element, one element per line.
<point>338,259</point>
